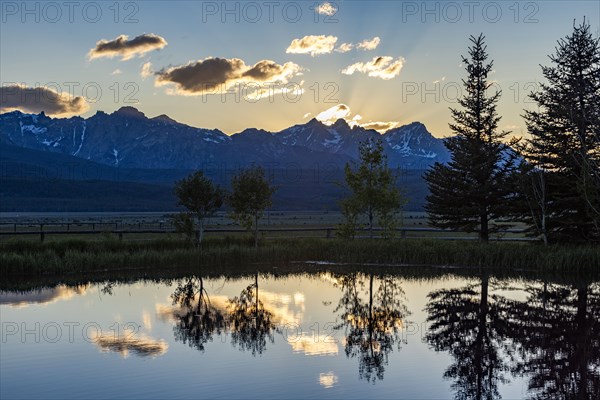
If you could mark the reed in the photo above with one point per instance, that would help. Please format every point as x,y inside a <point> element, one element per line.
<point>75,256</point>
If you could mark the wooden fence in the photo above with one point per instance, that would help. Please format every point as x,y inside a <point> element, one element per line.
<point>120,229</point>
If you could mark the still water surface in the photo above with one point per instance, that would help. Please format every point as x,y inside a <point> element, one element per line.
<point>310,335</point>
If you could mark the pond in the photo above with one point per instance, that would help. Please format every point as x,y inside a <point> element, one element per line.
<point>321,334</point>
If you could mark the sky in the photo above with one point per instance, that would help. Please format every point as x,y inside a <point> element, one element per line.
<point>270,64</point>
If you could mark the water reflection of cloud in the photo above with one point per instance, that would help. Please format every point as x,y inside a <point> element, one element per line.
<point>147,320</point>
<point>141,346</point>
<point>42,296</point>
<point>285,312</point>
<point>328,380</point>
<point>314,345</point>
<point>328,277</point>
<point>170,313</point>
<point>286,309</point>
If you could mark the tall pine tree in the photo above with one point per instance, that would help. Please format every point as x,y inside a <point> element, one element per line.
<point>475,187</point>
<point>565,137</point>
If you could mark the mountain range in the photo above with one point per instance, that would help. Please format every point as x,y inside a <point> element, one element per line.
<point>127,138</point>
<point>125,161</point>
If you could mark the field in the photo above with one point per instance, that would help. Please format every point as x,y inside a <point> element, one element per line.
<point>144,226</point>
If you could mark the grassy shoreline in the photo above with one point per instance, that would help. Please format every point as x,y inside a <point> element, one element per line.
<point>79,256</point>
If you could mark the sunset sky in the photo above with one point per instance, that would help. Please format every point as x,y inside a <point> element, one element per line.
<point>279,63</point>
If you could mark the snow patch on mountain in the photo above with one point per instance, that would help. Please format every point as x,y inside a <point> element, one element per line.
<point>33,129</point>
<point>82,138</point>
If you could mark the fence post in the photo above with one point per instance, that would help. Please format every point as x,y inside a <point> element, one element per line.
<point>120,236</point>
<point>41,233</point>
<point>328,233</point>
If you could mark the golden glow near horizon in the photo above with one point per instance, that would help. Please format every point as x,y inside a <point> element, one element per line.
<point>391,64</point>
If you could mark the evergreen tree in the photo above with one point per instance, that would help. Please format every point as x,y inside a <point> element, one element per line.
<point>373,191</point>
<point>565,140</point>
<point>476,186</point>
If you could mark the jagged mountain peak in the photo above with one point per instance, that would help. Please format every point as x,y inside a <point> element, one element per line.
<point>341,123</point>
<point>130,111</point>
<point>313,122</point>
<point>254,131</point>
<point>127,138</point>
<point>164,118</point>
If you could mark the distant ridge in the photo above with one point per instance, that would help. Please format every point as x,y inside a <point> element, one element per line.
<point>127,138</point>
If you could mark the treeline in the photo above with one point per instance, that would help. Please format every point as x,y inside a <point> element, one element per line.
<point>550,180</point>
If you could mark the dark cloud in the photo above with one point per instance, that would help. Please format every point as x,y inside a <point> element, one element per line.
<point>195,76</point>
<point>264,70</point>
<point>38,99</point>
<point>125,48</point>
<point>201,76</point>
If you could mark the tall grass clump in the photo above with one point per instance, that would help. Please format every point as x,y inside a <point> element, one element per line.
<point>76,256</point>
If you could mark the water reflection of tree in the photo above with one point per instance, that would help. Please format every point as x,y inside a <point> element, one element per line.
<point>250,324</point>
<point>466,322</point>
<point>198,319</point>
<point>371,325</point>
<point>557,331</point>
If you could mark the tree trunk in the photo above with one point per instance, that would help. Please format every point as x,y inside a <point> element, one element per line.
<point>484,233</point>
<point>371,222</point>
<point>544,232</point>
<point>256,230</point>
<point>481,334</point>
<point>582,348</point>
<point>200,231</point>
<point>256,315</point>
<point>370,325</point>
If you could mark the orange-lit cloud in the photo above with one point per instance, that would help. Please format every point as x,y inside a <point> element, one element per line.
<point>332,114</point>
<point>326,9</point>
<point>313,45</point>
<point>125,48</point>
<point>205,76</point>
<point>146,70</point>
<point>369,44</point>
<point>383,67</point>
<point>38,99</point>
<point>380,126</point>
<point>344,47</point>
